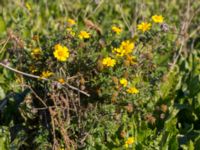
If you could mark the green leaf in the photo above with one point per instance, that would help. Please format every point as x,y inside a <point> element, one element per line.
<point>2,25</point>
<point>171,81</point>
<point>173,143</point>
<point>191,146</point>
<point>2,93</point>
<point>4,138</point>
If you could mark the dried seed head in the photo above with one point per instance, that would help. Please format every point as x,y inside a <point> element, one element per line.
<point>129,108</point>
<point>114,97</point>
<point>82,81</point>
<point>164,27</point>
<point>100,65</point>
<point>117,116</point>
<point>150,118</point>
<point>35,37</point>
<point>126,74</point>
<point>126,63</point>
<point>162,116</point>
<point>91,25</point>
<point>115,80</point>
<point>82,87</point>
<point>97,1</point>
<point>99,92</point>
<point>164,108</point>
<point>102,42</point>
<point>122,134</point>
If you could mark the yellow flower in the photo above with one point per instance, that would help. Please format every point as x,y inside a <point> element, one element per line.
<point>132,90</point>
<point>28,6</point>
<point>123,82</point>
<point>70,31</point>
<point>127,46</point>
<point>84,35</point>
<point>117,30</point>
<point>61,52</point>
<point>129,141</point>
<point>157,18</point>
<point>144,26</point>
<point>109,62</point>
<point>46,74</point>
<point>61,80</point>
<point>71,22</point>
<point>36,52</point>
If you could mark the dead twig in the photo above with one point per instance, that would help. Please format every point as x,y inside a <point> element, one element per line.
<point>38,77</point>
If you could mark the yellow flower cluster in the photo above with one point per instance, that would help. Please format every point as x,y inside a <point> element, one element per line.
<point>157,18</point>
<point>109,62</point>
<point>84,35</point>
<point>61,53</point>
<point>125,48</point>
<point>144,26</point>
<point>46,74</point>
<point>129,141</point>
<point>117,30</point>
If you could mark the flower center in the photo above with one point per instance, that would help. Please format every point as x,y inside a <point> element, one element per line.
<point>60,53</point>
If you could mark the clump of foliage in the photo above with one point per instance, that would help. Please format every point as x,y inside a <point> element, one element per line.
<point>99,75</point>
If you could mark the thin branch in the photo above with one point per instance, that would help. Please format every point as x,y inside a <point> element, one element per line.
<point>38,97</point>
<point>38,77</point>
